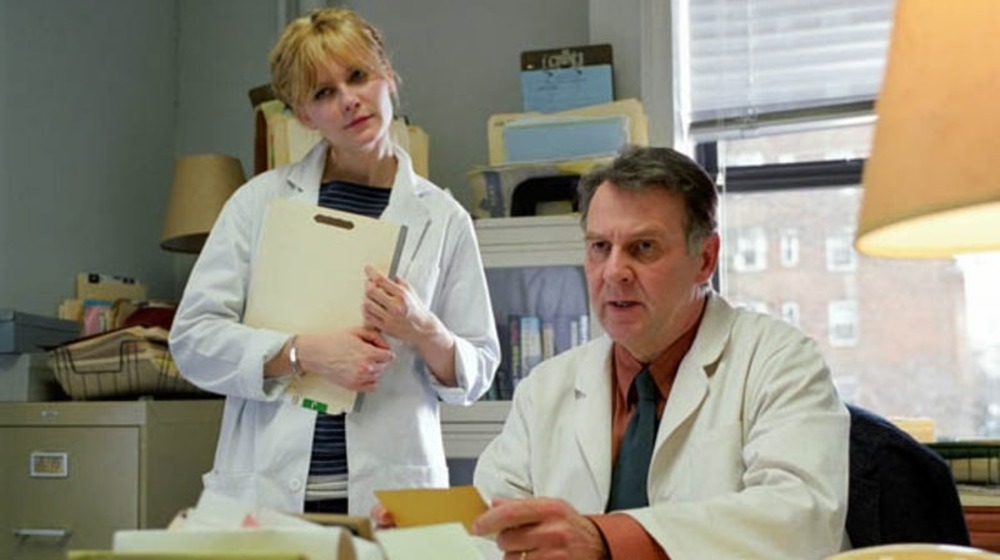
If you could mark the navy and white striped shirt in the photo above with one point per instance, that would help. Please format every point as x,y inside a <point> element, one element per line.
<point>329,452</point>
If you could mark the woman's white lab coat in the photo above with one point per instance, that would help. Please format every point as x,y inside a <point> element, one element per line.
<point>394,441</point>
<point>751,454</point>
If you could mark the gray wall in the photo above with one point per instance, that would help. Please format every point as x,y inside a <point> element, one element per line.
<point>5,177</point>
<point>89,92</point>
<point>98,97</point>
<point>460,63</point>
<point>223,54</point>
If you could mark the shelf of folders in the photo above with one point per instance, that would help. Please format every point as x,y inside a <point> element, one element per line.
<point>532,145</point>
<point>122,363</point>
<point>972,462</point>
<point>527,340</point>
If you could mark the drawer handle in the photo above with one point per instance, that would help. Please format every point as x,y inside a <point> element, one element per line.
<point>58,534</point>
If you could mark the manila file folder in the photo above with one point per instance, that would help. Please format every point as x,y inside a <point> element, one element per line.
<point>308,278</point>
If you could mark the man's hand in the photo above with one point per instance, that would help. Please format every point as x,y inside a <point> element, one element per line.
<point>541,528</point>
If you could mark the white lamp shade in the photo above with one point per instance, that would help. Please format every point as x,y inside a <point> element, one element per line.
<point>202,184</point>
<point>932,183</point>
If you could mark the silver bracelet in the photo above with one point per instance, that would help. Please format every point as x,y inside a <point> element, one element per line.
<point>293,355</point>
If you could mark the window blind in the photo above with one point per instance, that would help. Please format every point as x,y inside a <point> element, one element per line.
<point>754,63</point>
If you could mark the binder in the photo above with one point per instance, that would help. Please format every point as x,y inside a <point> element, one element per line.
<point>308,278</point>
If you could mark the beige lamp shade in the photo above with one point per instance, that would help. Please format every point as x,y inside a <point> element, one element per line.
<point>932,183</point>
<point>202,184</point>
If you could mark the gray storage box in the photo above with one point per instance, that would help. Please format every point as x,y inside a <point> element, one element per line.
<point>28,377</point>
<point>24,332</point>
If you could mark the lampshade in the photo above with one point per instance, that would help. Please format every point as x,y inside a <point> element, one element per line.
<point>202,184</point>
<point>932,183</point>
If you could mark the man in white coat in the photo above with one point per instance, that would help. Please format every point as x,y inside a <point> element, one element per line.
<point>747,453</point>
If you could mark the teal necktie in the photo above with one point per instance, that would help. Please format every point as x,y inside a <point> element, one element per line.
<point>628,480</point>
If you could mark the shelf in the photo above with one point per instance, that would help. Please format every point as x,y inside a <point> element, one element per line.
<point>531,241</point>
<point>525,242</point>
<point>467,430</point>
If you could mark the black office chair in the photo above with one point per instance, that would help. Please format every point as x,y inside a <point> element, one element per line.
<point>900,491</point>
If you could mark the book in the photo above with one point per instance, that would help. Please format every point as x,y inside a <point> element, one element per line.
<point>584,325</point>
<point>308,278</point>
<point>531,344</point>
<point>548,339</point>
<point>514,371</point>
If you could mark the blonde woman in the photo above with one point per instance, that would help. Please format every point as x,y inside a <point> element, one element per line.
<point>429,334</point>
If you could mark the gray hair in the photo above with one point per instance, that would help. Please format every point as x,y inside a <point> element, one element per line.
<point>638,168</point>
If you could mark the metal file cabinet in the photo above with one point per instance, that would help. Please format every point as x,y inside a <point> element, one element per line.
<point>73,473</point>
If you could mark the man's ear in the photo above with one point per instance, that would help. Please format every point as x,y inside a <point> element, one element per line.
<point>709,257</point>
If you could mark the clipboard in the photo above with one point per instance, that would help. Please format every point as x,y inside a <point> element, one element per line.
<point>308,277</point>
<point>566,78</point>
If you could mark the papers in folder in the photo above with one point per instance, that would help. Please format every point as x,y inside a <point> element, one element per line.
<point>614,123</point>
<point>308,277</point>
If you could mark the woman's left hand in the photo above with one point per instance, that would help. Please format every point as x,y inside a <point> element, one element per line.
<point>393,308</point>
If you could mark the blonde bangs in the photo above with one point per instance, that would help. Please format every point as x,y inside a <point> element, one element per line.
<point>309,45</point>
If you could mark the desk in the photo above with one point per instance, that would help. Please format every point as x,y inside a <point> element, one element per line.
<point>982,516</point>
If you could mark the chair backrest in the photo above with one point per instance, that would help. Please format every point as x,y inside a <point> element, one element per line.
<point>915,551</point>
<point>900,490</point>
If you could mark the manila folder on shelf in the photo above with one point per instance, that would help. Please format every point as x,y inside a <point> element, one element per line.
<point>308,277</point>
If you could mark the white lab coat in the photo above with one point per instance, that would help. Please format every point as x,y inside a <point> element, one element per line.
<point>395,439</point>
<point>751,456</point>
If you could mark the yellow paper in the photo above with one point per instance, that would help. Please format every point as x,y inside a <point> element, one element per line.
<point>430,506</point>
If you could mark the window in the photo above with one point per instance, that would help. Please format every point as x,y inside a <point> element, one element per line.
<point>843,323</point>
<point>753,63</point>
<point>902,337</point>
<point>789,247</point>
<point>750,254</point>
<point>790,312</point>
<point>758,306</point>
<point>840,255</point>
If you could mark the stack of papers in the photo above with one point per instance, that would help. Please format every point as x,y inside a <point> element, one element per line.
<point>610,125</point>
<point>219,525</point>
<point>131,361</point>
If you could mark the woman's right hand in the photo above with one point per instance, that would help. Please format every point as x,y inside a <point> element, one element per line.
<point>382,518</point>
<point>354,359</point>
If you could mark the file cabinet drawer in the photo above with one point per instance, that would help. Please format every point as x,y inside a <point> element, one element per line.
<point>85,481</point>
<point>75,472</point>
